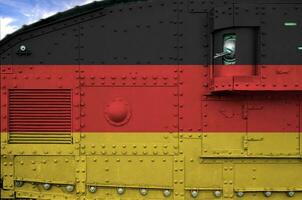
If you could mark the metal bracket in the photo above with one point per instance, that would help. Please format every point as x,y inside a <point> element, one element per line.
<point>178,177</point>
<point>8,172</point>
<point>228,180</point>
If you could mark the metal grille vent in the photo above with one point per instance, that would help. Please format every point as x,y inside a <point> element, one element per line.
<point>40,116</point>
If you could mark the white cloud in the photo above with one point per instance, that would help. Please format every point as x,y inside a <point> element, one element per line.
<point>6,26</point>
<point>89,1</point>
<point>33,13</point>
<point>36,13</point>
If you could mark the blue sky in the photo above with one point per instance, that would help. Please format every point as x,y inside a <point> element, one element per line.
<point>15,13</point>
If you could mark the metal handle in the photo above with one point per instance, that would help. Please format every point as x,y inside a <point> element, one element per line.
<point>229,48</point>
<point>218,55</point>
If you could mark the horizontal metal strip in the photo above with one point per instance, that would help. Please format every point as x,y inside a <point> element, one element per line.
<point>46,133</point>
<point>39,142</point>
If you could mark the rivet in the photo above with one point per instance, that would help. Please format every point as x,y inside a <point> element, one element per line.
<point>46,186</point>
<point>240,194</point>
<point>267,193</point>
<point>290,193</point>
<point>92,189</point>
<point>166,193</point>
<point>120,190</point>
<point>194,193</point>
<point>69,188</point>
<point>217,193</point>
<point>19,183</point>
<point>143,191</point>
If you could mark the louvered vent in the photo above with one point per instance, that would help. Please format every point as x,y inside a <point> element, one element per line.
<point>40,116</point>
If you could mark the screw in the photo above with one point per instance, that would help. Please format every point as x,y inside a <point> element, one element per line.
<point>19,183</point>
<point>69,188</point>
<point>194,193</point>
<point>240,194</point>
<point>167,193</point>
<point>267,193</point>
<point>22,48</point>
<point>46,186</point>
<point>143,191</point>
<point>92,189</point>
<point>120,190</point>
<point>290,193</point>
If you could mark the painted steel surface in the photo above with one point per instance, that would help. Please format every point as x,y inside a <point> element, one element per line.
<point>124,100</point>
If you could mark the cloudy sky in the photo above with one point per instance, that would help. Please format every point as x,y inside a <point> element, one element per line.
<point>15,13</point>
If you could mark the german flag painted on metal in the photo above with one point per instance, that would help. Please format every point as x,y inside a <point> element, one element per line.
<point>162,99</point>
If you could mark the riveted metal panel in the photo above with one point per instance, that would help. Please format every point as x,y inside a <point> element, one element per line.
<point>189,100</point>
<point>261,2</point>
<point>123,144</point>
<point>275,34</point>
<point>223,116</point>
<point>277,144</point>
<point>45,169</point>
<point>147,112</point>
<point>246,15</point>
<point>39,149</point>
<point>199,175</point>
<point>197,6</point>
<point>193,36</point>
<point>108,39</point>
<point>222,17</point>
<point>263,176</point>
<point>270,107</point>
<point>186,132</point>
<point>145,171</point>
<point>285,143</point>
<point>217,117</point>
<point>5,57</point>
<point>7,172</point>
<point>128,76</point>
<point>229,144</point>
<point>56,47</point>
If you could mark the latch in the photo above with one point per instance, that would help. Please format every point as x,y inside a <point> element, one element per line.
<point>229,49</point>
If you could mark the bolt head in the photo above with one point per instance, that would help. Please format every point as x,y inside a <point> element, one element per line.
<point>194,193</point>
<point>92,189</point>
<point>19,183</point>
<point>290,193</point>
<point>143,191</point>
<point>240,194</point>
<point>120,190</point>
<point>69,188</point>
<point>22,48</point>
<point>267,193</point>
<point>46,186</point>
<point>167,193</point>
<point>217,193</point>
